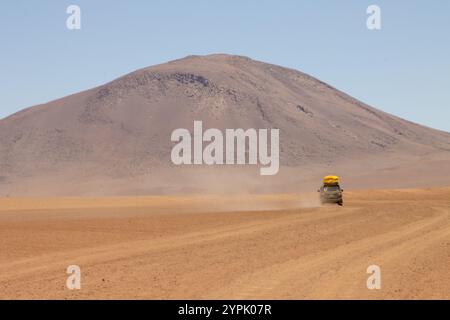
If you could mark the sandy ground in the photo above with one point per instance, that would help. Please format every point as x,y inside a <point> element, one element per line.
<point>256,247</point>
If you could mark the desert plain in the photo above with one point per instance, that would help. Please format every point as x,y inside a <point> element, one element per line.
<point>284,246</point>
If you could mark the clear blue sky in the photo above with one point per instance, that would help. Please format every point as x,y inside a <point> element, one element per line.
<point>403,69</point>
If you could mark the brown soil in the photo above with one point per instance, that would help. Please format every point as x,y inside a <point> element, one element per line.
<point>270,247</point>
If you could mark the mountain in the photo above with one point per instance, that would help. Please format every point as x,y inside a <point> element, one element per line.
<point>115,139</point>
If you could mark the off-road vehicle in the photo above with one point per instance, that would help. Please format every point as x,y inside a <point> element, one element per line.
<point>330,191</point>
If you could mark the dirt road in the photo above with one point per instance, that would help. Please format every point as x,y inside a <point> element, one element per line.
<point>268,247</point>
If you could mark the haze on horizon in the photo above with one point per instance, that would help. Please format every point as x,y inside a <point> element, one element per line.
<point>402,69</point>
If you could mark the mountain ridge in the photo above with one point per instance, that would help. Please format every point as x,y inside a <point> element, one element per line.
<point>120,131</point>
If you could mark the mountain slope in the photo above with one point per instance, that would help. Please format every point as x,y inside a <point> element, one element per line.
<point>116,138</point>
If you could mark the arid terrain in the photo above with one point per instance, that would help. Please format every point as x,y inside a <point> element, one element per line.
<point>257,246</point>
<point>88,180</point>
